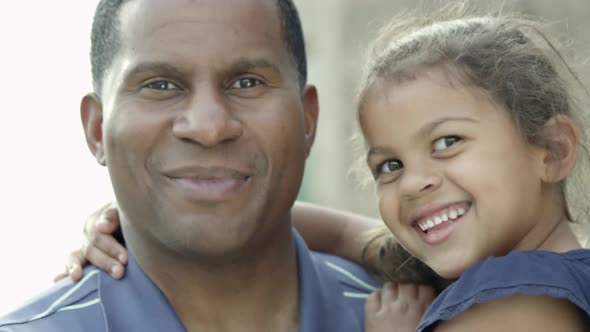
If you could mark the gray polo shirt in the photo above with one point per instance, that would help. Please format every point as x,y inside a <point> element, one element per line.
<point>332,296</point>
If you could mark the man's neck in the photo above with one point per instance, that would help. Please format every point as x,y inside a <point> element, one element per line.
<point>255,294</point>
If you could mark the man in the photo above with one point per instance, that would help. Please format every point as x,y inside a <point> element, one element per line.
<point>203,117</point>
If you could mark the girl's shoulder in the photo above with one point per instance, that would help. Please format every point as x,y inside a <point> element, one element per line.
<point>535,272</point>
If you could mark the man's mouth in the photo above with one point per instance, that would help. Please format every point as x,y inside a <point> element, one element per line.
<point>209,184</point>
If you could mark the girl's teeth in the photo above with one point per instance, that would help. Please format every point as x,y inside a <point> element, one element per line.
<point>453,214</point>
<point>437,220</point>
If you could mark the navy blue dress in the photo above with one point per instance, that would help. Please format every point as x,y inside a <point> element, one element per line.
<point>535,272</point>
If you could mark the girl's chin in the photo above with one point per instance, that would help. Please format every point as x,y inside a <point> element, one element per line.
<point>447,271</point>
<point>449,275</point>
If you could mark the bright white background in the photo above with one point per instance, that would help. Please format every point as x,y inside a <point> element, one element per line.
<point>49,181</point>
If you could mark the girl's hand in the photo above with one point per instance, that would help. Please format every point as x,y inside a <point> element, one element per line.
<point>99,246</point>
<point>397,307</point>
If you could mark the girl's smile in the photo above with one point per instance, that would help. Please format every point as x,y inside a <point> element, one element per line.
<point>435,223</point>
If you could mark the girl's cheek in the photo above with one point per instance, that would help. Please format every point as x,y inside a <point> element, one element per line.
<point>388,208</point>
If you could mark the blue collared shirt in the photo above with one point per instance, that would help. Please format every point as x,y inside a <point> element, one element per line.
<point>332,296</point>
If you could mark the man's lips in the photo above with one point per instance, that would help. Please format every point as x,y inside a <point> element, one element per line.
<point>207,172</point>
<point>208,183</point>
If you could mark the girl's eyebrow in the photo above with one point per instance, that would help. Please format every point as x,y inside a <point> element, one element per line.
<point>423,131</point>
<point>377,150</point>
<point>432,125</point>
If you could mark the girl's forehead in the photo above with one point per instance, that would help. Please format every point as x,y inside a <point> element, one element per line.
<point>409,105</point>
<point>429,88</point>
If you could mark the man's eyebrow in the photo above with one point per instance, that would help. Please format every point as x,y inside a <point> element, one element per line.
<point>163,68</point>
<point>246,64</point>
<point>160,68</point>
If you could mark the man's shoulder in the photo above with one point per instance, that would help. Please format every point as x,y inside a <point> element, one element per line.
<point>354,280</point>
<point>66,306</point>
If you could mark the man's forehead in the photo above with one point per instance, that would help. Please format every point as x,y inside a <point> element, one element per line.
<point>215,26</point>
<point>158,13</point>
<point>199,37</point>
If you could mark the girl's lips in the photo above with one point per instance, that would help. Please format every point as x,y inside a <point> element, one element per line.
<point>449,213</point>
<point>433,210</point>
<point>441,232</point>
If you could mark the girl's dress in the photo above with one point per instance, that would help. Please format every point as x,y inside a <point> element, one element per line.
<point>535,272</point>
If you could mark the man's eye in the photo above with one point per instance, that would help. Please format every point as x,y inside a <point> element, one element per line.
<point>245,83</point>
<point>161,85</point>
<point>389,166</point>
<point>445,142</point>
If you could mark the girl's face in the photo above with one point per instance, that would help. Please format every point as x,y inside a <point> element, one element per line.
<point>456,181</point>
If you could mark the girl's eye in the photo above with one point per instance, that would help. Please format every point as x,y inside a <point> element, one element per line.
<point>245,83</point>
<point>445,142</point>
<point>161,85</point>
<point>389,166</point>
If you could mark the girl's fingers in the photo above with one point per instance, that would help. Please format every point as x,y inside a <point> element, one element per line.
<point>373,303</point>
<point>111,259</point>
<point>104,220</point>
<point>390,293</point>
<point>106,244</point>
<point>74,264</point>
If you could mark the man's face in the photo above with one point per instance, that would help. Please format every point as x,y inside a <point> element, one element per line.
<point>205,130</point>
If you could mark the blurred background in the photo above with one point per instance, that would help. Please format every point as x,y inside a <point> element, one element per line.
<point>50,181</point>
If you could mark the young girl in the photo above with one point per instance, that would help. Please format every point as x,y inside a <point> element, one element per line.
<point>470,134</point>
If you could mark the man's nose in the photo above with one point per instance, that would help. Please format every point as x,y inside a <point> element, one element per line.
<point>207,121</point>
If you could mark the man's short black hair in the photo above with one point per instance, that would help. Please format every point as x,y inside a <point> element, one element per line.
<point>105,39</point>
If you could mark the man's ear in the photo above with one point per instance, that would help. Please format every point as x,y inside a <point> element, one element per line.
<point>562,142</point>
<point>91,114</point>
<point>311,111</point>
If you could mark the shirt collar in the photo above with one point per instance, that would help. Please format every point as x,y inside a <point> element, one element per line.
<point>135,303</point>
<point>321,305</point>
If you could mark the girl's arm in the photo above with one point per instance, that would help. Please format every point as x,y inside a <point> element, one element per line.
<point>332,231</point>
<point>323,229</point>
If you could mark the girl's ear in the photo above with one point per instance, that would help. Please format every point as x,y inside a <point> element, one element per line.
<point>562,141</point>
